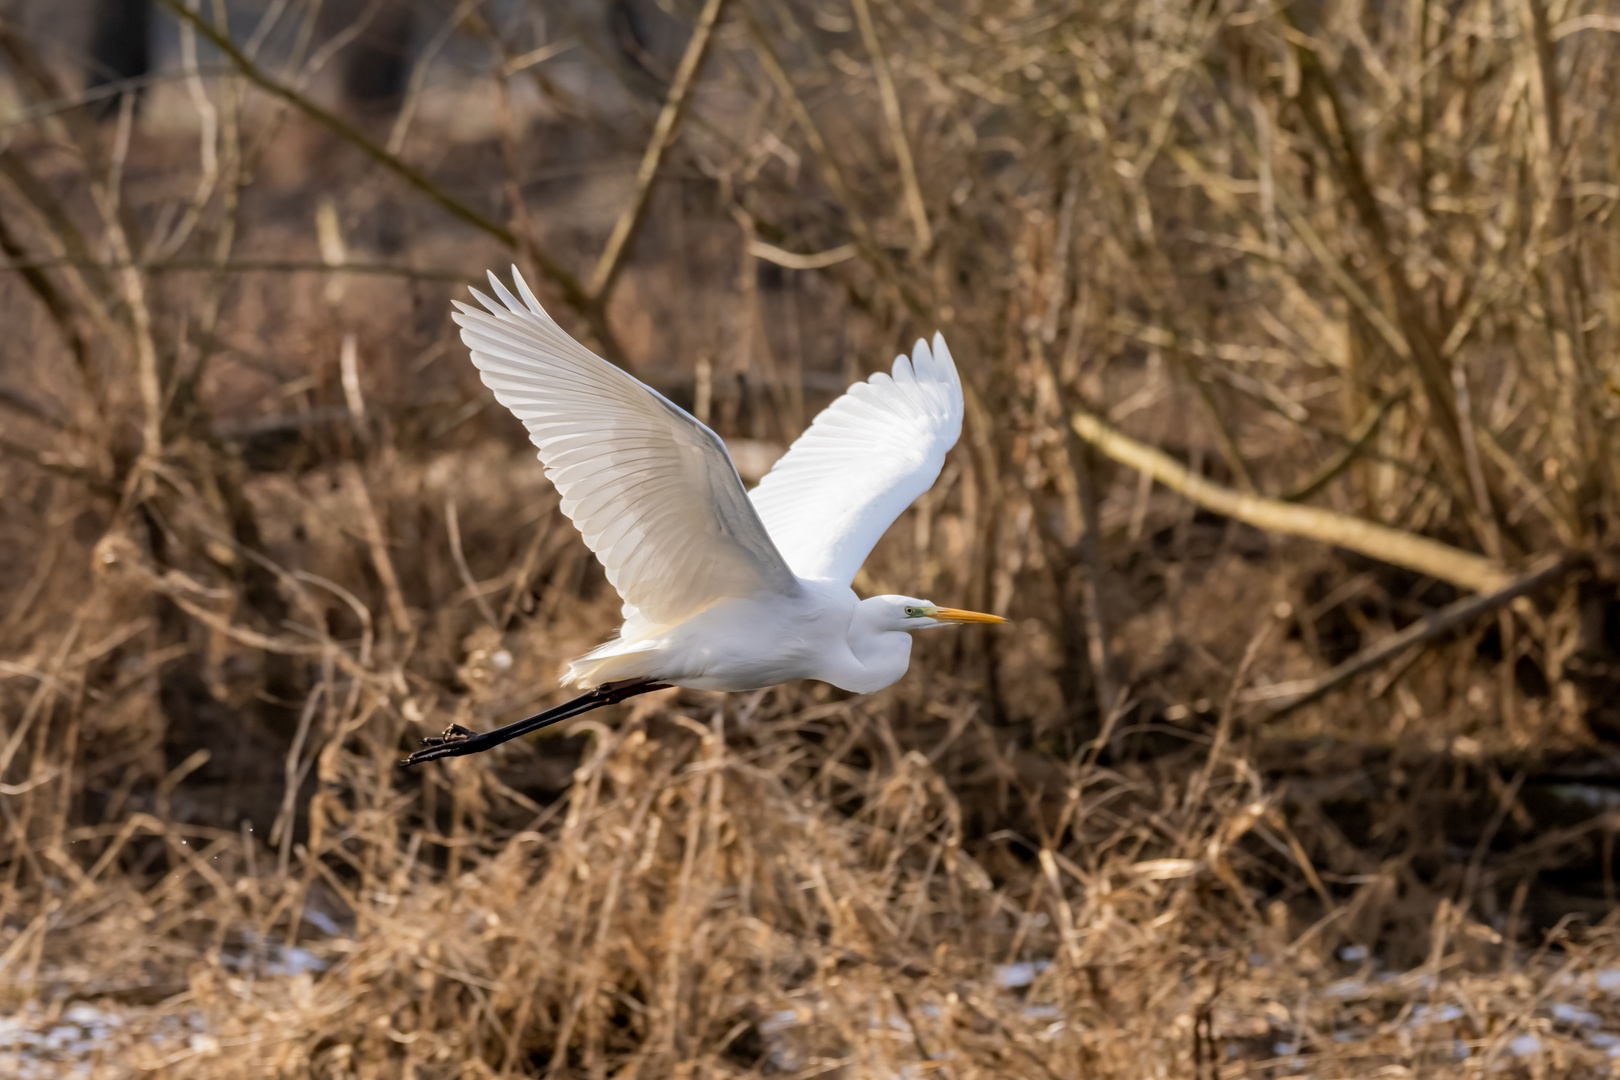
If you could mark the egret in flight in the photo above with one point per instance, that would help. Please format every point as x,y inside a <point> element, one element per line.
<point>723,588</point>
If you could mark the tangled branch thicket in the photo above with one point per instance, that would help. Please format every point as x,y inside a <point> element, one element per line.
<point>1333,264</point>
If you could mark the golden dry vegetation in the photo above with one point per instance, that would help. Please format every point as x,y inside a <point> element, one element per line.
<point>1286,329</point>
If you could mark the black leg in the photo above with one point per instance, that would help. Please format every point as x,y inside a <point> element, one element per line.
<point>457,740</point>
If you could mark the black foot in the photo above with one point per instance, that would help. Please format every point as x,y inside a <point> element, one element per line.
<point>447,744</point>
<point>453,733</point>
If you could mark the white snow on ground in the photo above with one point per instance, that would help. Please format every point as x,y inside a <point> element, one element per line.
<point>88,1039</point>
<point>1015,976</point>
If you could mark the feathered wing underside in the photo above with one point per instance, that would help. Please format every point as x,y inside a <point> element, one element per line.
<point>651,489</point>
<point>861,463</point>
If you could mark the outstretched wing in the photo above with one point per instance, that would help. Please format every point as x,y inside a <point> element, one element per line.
<point>652,490</point>
<point>862,462</point>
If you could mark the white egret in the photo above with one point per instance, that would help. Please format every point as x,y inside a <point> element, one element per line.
<point>723,589</point>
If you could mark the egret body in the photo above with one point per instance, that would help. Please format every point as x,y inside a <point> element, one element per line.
<point>723,588</point>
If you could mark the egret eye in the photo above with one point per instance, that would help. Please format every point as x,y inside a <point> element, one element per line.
<point>914,612</point>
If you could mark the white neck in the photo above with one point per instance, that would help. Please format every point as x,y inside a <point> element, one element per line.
<point>880,653</point>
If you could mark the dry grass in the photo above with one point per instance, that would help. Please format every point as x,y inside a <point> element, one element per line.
<point>264,530</point>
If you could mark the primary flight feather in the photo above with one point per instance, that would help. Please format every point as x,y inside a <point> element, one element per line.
<point>723,589</point>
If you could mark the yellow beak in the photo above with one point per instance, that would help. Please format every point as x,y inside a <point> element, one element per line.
<point>957,615</point>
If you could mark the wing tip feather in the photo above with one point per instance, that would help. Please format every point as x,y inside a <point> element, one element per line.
<point>527,293</point>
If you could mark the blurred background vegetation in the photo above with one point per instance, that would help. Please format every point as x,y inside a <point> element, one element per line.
<point>1290,339</point>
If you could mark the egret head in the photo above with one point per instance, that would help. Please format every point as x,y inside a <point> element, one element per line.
<point>880,643</point>
<point>910,613</point>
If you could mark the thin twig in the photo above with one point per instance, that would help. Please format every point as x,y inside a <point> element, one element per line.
<point>789,260</point>
<point>419,73</point>
<point>24,405</point>
<point>94,290</point>
<point>897,125</point>
<point>208,147</point>
<point>377,541</point>
<point>1354,444</point>
<point>91,94</point>
<point>55,304</point>
<point>452,526</point>
<point>249,266</point>
<point>1223,727</point>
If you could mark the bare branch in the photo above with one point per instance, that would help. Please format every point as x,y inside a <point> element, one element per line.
<point>572,292</point>
<point>665,129</point>
<point>1462,568</point>
<point>1447,618</point>
<point>831,174</point>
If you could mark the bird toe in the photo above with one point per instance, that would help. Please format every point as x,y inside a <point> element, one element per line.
<point>440,745</point>
<point>452,734</point>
